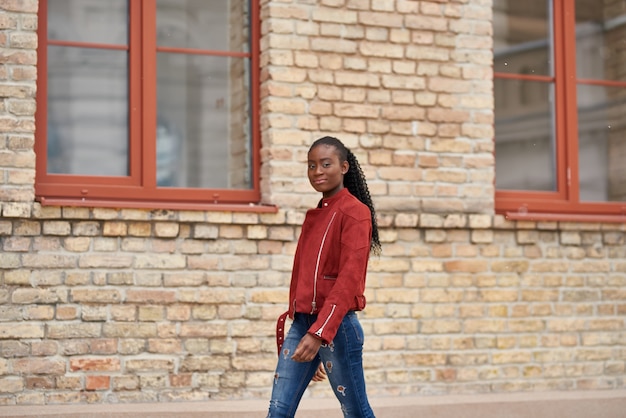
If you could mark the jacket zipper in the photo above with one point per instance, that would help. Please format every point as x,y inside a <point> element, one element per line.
<point>317,264</point>
<point>319,331</point>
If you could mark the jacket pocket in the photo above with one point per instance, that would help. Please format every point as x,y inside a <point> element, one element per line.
<point>329,277</point>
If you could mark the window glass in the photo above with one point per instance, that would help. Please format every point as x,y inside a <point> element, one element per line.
<point>522,38</point>
<point>524,106</point>
<point>601,56</point>
<point>203,132</point>
<point>93,21</point>
<point>202,135</point>
<point>87,100</point>
<point>525,146</point>
<point>87,111</point>
<point>201,24</point>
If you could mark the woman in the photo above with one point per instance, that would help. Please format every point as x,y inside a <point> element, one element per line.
<point>327,286</point>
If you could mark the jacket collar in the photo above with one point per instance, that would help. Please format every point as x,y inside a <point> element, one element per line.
<point>323,203</point>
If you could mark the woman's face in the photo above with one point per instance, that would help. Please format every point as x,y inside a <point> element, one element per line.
<point>325,170</point>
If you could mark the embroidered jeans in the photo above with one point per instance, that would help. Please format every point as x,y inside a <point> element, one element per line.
<point>342,359</point>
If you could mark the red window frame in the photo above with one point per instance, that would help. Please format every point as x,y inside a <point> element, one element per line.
<point>563,204</point>
<point>139,189</point>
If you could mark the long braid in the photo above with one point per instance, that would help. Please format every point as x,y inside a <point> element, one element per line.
<point>354,180</point>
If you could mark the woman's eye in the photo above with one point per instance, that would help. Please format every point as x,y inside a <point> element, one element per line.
<point>326,165</point>
<point>311,166</point>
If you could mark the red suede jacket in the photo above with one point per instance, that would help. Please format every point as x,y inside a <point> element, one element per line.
<point>330,264</point>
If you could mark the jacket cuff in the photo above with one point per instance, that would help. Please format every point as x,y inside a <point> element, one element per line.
<point>318,337</point>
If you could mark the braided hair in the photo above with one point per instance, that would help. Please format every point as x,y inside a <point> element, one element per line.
<point>354,181</point>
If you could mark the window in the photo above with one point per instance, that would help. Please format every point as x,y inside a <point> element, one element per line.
<point>148,103</point>
<point>560,108</point>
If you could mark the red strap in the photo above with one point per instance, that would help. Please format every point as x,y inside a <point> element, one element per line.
<point>280,330</point>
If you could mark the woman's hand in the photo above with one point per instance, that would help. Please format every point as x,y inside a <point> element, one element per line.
<point>320,374</point>
<point>307,349</point>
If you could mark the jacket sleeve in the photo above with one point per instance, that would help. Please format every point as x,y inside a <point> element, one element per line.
<point>350,285</point>
<point>293,286</point>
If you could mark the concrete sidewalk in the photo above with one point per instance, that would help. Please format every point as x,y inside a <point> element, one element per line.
<point>587,404</point>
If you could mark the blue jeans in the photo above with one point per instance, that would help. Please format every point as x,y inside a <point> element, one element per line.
<point>342,359</point>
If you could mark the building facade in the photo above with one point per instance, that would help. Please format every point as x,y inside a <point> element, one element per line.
<point>158,299</point>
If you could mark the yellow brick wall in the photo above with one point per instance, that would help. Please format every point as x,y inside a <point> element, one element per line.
<point>103,305</point>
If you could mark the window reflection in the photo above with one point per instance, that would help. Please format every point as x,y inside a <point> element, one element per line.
<point>204,135</point>
<point>522,38</point>
<point>87,107</point>
<point>87,111</point>
<point>601,93</point>
<point>94,21</point>
<point>525,154</point>
<point>525,137</point>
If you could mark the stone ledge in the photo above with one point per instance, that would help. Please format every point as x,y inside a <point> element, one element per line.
<point>575,404</point>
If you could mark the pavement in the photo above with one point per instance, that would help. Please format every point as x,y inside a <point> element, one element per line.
<point>573,404</point>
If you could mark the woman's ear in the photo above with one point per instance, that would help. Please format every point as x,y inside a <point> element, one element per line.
<point>345,166</point>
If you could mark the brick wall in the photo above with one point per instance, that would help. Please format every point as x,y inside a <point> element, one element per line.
<point>18,75</point>
<point>104,305</point>
<point>406,84</point>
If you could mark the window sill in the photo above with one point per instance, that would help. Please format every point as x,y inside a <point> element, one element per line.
<point>564,217</point>
<point>123,204</point>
